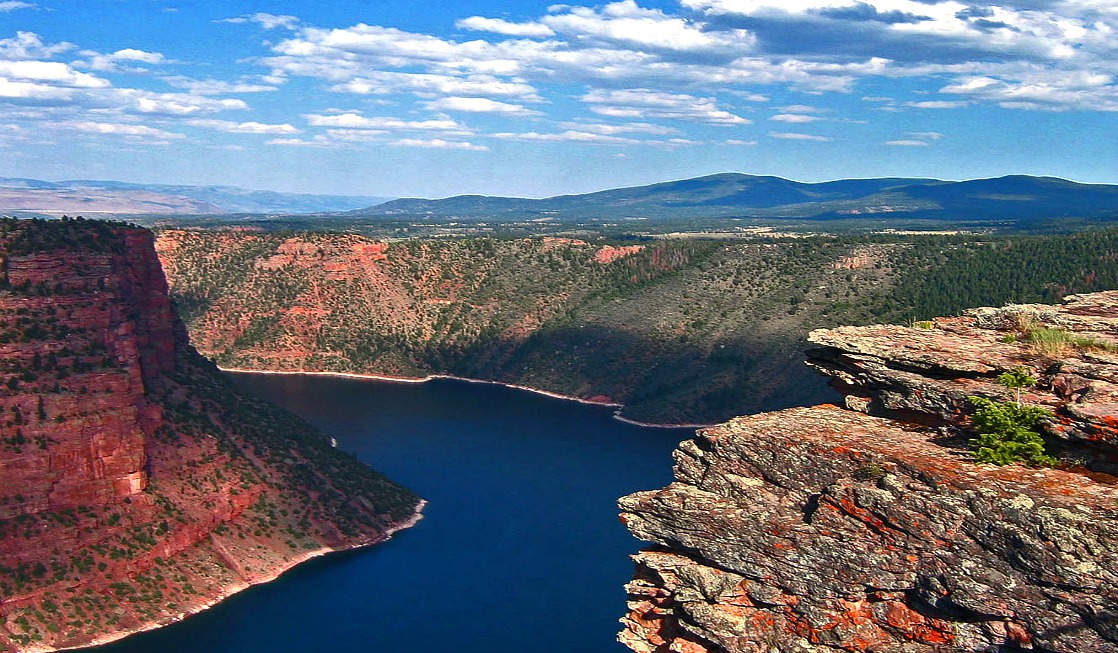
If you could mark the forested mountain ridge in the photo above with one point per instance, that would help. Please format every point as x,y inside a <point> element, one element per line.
<point>1014,198</point>
<point>678,331</point>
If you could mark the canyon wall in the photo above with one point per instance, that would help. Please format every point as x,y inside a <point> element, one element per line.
<point>679,331</point>
<point>870,527</point>
<point>137,485</point>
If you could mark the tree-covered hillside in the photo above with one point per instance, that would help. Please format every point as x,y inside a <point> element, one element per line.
<point>679,331</point>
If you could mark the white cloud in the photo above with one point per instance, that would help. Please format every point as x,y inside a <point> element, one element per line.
<point>800,108</point>
<point>793,136</point>
<point>265,20</point>
<point>121,130</point>
<point>646,103</point>
<point>626,22</point>
<point>439,144</point>
<point>937,104</point>
<point>479,105</point>
<point>907,143</point>
<point>570,136</point>
<point>798,118</point>
<point>317,141</point>
<point>426,84</point>
<point>111,62</point>
<point>624,128</point>
<point>174,104</point>
<point>353,120</point>
<point>734,141</point>
<point>1043,90</point>
<point>498,26</point>
<point>218,87</point>
<point>31,93</point>
<point>49,72</point>
<point>28,45</point>
<point>233,127</point>
<point>12,5</point>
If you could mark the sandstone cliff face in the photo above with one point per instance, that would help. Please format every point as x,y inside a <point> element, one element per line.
<point>827,528</point>
<point>136,485</point>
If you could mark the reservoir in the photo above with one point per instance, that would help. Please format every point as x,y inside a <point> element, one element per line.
<point>520,549</point>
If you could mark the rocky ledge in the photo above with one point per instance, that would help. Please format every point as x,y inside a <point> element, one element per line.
<point>871,528</point>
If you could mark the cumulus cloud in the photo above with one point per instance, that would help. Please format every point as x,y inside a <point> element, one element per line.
<point>218,87</point>
<point>647,103</point>
<point>1043,90</point>
<point>143,131</point>
<point>354,120</point>
<point>376,82</point>
<point>627,23</point>
<point>112,62</point>
<point>28,45</point>
<point>53,73</point>
<point>499,26</point>
<point>794,136</point>
<point>570,136</point>
<point>249,127</point>
<point>439,144</point>
<point>937,104</point>
<point>479,105</point>
<point>623,128</point>
<point>265,20</point>
<point>794,118</point>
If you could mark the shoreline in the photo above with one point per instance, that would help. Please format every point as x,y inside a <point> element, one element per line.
<point>392,529</point>
<point>432,377</point>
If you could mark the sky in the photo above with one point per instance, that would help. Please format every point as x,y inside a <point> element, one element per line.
<point>515,97</point>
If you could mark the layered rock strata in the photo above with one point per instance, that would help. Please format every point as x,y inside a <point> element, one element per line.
<point>136,484</point>
<point>830,529</point>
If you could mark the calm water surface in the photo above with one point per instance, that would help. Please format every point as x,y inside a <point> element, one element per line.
<point>520,551</point>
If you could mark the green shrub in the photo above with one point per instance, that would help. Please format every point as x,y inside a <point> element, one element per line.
<point>1007,433</point>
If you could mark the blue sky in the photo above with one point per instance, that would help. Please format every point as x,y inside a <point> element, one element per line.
<point>404,98</point>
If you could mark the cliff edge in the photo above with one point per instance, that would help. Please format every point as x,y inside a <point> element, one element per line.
<point>870,527</point>
<point>138,486</point>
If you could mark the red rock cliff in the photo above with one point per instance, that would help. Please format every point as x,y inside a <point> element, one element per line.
<point>137,485</point>
<point>830,529</point>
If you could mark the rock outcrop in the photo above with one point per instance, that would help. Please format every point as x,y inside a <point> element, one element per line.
<point>136,484</point>
<point>871,528</point>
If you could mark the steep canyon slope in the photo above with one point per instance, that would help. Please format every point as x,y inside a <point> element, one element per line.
<point>679,331</point>
<point>137,485</point>
<point>630,324</point>
<point>871,528</point>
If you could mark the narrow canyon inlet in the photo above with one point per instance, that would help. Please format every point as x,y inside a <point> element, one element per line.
<point>520,547</point>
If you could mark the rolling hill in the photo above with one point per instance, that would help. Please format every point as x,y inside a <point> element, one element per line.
<point>117,197</point>
<point>1016,198</point>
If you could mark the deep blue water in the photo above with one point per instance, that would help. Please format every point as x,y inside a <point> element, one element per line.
<point>520,551</point>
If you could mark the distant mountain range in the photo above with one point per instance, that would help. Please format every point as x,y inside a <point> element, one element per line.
<point>1016,197</point>
<point>116,197</point>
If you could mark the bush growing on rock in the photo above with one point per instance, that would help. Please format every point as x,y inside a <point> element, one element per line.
<point>1007,433</point>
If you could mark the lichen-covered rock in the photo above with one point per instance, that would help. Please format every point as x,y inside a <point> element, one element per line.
<point>870,529</point>
<point>823,528</point>
<point>926,374</point>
